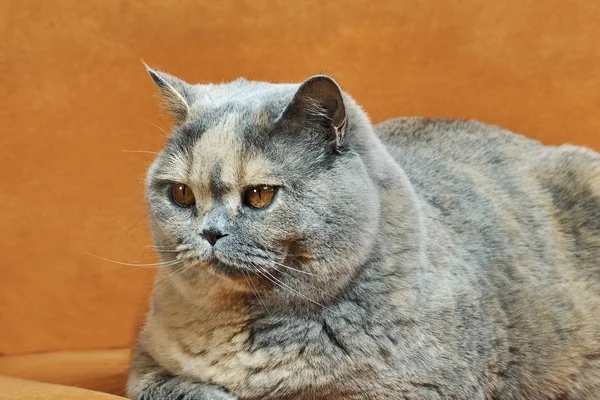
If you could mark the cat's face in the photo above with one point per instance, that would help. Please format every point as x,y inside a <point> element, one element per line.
<point>253,183</point>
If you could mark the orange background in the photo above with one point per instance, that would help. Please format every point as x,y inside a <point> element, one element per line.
<point>75,94</point>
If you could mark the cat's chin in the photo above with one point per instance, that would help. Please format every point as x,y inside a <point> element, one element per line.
<point>227,270</point>
<point>223,268</point>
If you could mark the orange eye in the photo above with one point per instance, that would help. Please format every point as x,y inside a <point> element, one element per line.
<point>258,196</point>
<point>182,195</point>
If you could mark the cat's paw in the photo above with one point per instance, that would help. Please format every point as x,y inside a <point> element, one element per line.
<point>178,388</point>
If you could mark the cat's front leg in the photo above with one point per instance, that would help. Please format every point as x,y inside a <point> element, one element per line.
<point>148,381</point>
<point>164,387</point>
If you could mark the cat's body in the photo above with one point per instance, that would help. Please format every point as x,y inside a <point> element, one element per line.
<point>471,268</point>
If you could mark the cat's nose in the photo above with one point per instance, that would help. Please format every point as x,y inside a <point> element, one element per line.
<point>212,235</point>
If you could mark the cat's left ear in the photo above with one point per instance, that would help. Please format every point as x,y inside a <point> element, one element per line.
<point>176,93</point>
<point>319,102</point>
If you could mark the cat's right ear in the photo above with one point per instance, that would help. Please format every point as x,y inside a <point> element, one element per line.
<point>176,93</point>
<point>319,103</point>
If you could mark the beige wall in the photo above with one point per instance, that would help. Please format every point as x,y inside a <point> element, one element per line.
<point>75,94</point>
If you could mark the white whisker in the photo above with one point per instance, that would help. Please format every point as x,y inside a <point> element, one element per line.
<point>286,255</point>
<point>294,269</point>
<point>255,290</point>
<point>159,128</point>
<point>165,280</point>
<point>277,282</point>
<point>140,151</point>
<point>128,231</point>
<point>152,265</point>
<point>265,254</point>
<point>314,287</point>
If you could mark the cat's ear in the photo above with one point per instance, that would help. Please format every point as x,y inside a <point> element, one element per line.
<point>176,94</point>
<point>319,102</point>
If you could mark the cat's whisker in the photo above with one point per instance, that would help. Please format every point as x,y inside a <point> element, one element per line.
<point>165,250</point>
<point>151,265</point>
<point>287,255</point>
<point>120,224</point>
<point>256,270</point>
<point>180,271</point>
<point>282,285</point>
<point>312,286</point>
<point>151,248</point>
<point>293,277</point>
<point>282,254</point>
<point>140,151</point>
<point>129,271</point>
<point>128,231</point>
<point>159,128</point>
<point>169,247</point>
<point>255,290</point>
<point>293,269</point>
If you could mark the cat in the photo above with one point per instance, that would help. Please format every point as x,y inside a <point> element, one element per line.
<point>311,255</point>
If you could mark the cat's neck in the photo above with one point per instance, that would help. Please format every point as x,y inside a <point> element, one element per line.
<point>399,252</point>
<point>401,211</point>
<point>201,300</point>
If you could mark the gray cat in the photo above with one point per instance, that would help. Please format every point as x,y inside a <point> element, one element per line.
<point>310,255</point>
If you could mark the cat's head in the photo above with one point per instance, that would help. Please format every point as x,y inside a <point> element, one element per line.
<point>267,181</point>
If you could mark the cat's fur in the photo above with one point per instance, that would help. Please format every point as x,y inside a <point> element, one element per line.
<point>441,259</point>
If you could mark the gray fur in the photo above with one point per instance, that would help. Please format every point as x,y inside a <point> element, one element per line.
<point>437,259</point>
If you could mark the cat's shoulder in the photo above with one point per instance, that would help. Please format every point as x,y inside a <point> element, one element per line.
<point>415,130</point>
<point>570,173</point>
<point>414,141</point>
<point>421,141</point>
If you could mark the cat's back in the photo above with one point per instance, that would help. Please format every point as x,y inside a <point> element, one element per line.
<point>473,164</point>
<point>454,164</point>
<point>434,151</point>
<point>495,189</point>
<point>414,140</point>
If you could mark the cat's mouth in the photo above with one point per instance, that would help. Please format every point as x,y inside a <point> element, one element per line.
<point>223,265</point>
<point>225,269</point>
<point>233,265</point>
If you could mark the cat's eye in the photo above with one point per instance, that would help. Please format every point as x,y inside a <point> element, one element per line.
<point>182,195</point>
<point>259,196</point>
